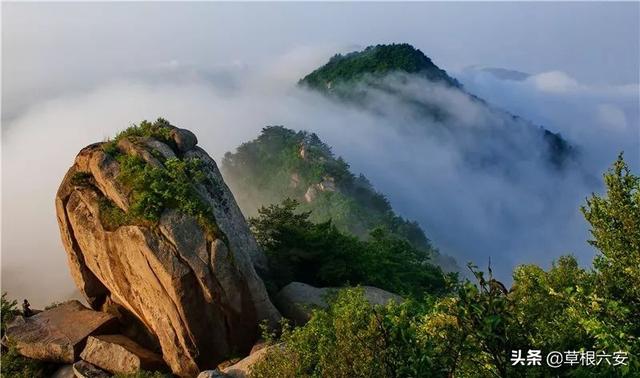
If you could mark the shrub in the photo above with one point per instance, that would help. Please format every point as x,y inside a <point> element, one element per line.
<point>111,216</point>
<point>350,339</point>
<point>154,189</point>
<point>16,366</point>
<point>160,130</point>
<point>81,178</point>
<point>8,311</point>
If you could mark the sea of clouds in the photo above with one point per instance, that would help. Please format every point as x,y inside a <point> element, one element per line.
<point>522,212</point>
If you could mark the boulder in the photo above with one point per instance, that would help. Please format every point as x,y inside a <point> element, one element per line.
<point>65,371</point>
<point>60,333</point>
<point>83,369</point>
<point>119,354</point>
<point>211,374</point>
<point>260,344</point>
<point>196,291</point>
<point>242,369</point>
<point>184,139</point>
<point>297,300</point>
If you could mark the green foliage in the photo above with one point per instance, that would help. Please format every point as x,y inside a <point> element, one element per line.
<point>81,178</point>
<point>270,169</point>
<point>615,226</point>
<point>166,184</point>
<point>375,60</point>
<point>350,339</point>
<point>8,311</point>
<point>155,188</point>
<point>111,216</point>
<point>320,255</point>
<point>16,366</point>
<point>160,130</point>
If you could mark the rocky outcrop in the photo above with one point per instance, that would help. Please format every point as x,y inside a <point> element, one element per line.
<point>83,369</point>
<point>58,334</point>
<point>195,289</point>
<point>119,354</point>
<point>242,368</point>
<point>326,185</point>
<point>297,300</point>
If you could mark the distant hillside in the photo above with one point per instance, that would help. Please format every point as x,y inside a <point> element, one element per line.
<point>376,60</point>
<point>398,79</point>
<point>282,163</point>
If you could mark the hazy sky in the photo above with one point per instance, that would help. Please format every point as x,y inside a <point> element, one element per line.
<point>57,47</point>
<point>75,73</point>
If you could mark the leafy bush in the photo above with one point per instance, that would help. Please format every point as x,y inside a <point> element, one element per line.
<point>16,366</point>
<point>81,178</point>
<point>111,216</point>
<point>320,255</point>
<point>350,339</point>
<point>154,189</point>
<point>160,130</point>
<point>8,311</point>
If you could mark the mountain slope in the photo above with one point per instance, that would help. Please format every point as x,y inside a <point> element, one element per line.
<point>376,60</point>
<point>282,163</point>
<point>399,82</point>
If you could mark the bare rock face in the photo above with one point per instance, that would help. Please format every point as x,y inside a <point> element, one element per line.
<point>119,354</point>
<point>195,290</point>
<point>297,300</point>
<point>242,368</point>
<point>60,333</point>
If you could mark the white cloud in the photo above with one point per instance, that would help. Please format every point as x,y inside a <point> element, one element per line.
<point>554,81</point>
<point>612,117</point>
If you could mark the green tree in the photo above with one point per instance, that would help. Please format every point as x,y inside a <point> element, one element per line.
<point>321,255</point>
<point>615,227</point>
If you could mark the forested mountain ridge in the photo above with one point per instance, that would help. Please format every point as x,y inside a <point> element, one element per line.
<point>377,60</point>
<point>398,78</point>
<point>282,163</point>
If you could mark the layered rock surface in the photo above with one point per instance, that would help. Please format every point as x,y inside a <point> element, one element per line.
<point>196,291</point>
<point>119,354</point>
<point>58,334</point>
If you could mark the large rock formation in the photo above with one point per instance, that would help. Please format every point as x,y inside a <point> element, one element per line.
<point>194,287</point>
<point>297,300</point>
<point>58,334</point>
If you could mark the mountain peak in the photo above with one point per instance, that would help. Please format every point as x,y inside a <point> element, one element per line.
<point>376,60</point>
